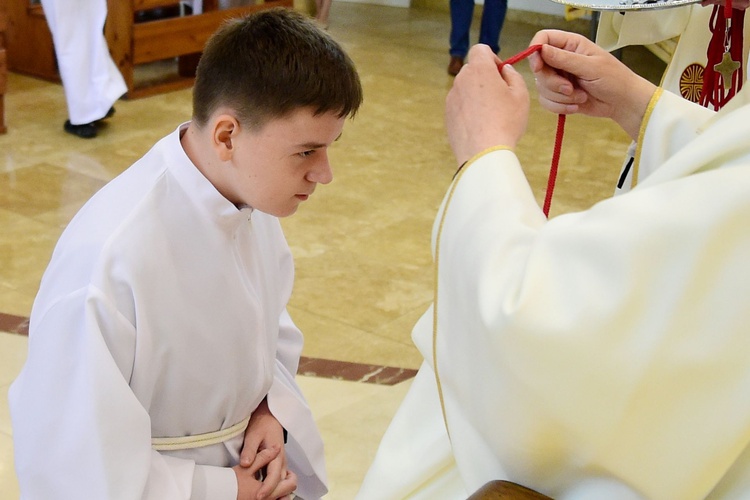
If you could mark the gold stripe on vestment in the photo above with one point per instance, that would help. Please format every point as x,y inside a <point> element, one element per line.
<point>459,174</point>
<point>642,134</point>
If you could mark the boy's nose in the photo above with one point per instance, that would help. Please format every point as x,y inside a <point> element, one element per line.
<point>322,173</point>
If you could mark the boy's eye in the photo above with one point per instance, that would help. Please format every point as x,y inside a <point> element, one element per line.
<point>305,154</point>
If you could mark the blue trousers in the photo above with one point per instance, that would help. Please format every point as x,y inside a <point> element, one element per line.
<point>462,12</point>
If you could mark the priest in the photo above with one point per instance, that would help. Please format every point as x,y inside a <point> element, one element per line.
<point>598,354</point>
<point>696,69</point>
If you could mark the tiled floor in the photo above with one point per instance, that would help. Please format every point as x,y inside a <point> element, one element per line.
<point>361,246</point>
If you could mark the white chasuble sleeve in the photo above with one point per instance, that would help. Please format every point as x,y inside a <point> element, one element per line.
<point>621,29</point>
<point>618,29</point>
<point>670,124</point>
<point>577,354</point>
<point>107,452</point>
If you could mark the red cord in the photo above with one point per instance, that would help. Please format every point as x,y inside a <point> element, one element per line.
<point>558,136</point>
<point>521,55</point>
<point>726,27</point>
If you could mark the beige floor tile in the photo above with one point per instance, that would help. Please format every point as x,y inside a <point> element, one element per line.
<point>12,356</point>
<point>352,418</point>
<point>8,483</point>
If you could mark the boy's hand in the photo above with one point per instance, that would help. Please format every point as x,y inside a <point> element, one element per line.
<point>250,484</point>
<point>263,451</point>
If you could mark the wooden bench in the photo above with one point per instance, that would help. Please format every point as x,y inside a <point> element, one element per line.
<point>132,43</point>
<point>3,66</point>
<point>133,39</point>
<point>506,490</point>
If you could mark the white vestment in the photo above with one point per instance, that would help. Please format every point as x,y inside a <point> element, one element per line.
<point>690,23</point>
<point>684,73</point>
<point>597,355</point>
<point>91,80</point>
<point>162,314</point>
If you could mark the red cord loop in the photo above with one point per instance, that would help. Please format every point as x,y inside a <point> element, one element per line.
<point>558,136</point>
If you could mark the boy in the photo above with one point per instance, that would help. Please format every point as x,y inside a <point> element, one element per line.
<point>161,356</point>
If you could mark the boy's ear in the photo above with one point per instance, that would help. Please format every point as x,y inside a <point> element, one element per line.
<point>225,129</point>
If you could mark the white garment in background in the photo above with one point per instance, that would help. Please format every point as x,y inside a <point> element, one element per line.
<point>691,23</point>
<point>596,355</point>
<point>162,314</point>
<point>91,80</point>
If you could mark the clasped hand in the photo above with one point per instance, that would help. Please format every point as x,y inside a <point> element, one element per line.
<point>262,473</point>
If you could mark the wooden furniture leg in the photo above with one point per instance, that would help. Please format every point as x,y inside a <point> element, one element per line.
<point>3,66</point>
<point>505,490</point>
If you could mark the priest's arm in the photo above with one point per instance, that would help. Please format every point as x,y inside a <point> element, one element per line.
<point>588,331</point>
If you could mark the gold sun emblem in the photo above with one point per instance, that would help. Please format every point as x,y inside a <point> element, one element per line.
<point>691,82</point>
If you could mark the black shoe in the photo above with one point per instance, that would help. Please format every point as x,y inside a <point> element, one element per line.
<point>85,131</point>
<point>109,114</point>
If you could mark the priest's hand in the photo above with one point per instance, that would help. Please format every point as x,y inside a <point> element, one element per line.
<point>263,451</point>
<point>574,75</point>
<point>485,108</point>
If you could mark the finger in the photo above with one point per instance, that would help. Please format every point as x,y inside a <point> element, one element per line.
<point>536,63</point>
<point>540,38</point>
<point>564,60</point>
<point>515,81</point>
<point>551,60</point>
<point>512,77</point>
<point>561,94</point>
<point>549,80</point>
<point>249,449</point>
<point>263,458</point>
<point>557,107</point>
<point>285,487</point>
<point>560,39</point>
<point>276,471</point>
<point>481,54</point>
<point>247,457</point>
<point>535,60</point>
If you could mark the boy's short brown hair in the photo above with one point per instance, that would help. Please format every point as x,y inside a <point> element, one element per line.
<point>268,64</point>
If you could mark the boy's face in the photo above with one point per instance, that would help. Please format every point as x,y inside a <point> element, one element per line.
<point>278,166</point>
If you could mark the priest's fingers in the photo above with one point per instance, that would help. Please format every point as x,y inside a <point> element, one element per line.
<point>557,93</point>
<point>601,84</point>
<point>582,62</point>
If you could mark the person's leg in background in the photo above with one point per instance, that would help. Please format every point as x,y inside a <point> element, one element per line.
<point>461,15</point>
<point>493,17</point>
<point>91,81</point>
<point>322,10</point>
